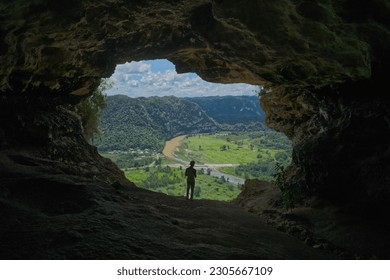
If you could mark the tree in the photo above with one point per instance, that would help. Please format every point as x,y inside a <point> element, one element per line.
<point>281,156</point>
<point>158,161</point>
<point>89,110</point>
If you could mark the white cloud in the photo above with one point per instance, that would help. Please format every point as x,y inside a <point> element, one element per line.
<point>138,79</point>
<point>135,67</point>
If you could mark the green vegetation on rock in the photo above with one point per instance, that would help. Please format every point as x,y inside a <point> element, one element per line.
<point>89,110</point>
<point>291,193</point>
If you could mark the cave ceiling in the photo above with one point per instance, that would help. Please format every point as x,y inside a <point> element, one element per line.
<point>66,48</point>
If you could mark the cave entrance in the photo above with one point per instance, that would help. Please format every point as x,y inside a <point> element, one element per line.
<point>156,121</point>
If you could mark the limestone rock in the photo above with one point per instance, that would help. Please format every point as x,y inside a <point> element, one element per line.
<point>324,63</point>
<point>51,47</point>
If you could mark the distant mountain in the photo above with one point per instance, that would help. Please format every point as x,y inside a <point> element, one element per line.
<point>146,123</point>
<point>231,109</point>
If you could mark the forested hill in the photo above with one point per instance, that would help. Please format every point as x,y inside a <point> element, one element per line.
<point>145,123</point>
<point>231,109</point>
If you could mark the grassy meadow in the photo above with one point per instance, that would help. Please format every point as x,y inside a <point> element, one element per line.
<point>254,153</point>
<point>231,148</point>
<point>171,181</point>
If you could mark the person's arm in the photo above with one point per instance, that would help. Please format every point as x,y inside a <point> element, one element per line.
<point>195,173</point>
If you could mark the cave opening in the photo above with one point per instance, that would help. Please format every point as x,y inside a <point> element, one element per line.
<point>155,121</point>
<point>325,63</point>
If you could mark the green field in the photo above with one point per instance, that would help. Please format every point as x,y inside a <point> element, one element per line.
<point>233,148</point>
<point>171,181</point>
<point>255,153</point>
<point>137,176</point>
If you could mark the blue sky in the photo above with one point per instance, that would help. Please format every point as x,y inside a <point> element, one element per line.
<point>159,78</point>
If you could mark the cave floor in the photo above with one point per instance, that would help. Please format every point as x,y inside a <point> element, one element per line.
<point>45,213</point>
<point>59,216</point>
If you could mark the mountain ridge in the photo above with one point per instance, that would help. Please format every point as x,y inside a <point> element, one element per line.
<point>231,109</point>
<point>146,122</point>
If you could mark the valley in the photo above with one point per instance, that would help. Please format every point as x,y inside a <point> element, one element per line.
<point>154,158</point>
<point>223,160</point>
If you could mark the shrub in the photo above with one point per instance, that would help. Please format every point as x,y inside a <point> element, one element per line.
<point>291,193</point>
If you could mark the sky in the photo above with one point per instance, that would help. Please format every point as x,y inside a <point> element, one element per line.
<point>159,78</point>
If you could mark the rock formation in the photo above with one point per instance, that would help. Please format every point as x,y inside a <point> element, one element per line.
<point>319,224</point>
<point>324,64</point>
<point>48,47</point>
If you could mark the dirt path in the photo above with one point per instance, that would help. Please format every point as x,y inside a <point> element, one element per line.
<point>171,145</point>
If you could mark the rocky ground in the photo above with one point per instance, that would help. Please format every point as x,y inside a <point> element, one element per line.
<point>337,231</point>
<point>46,214</point>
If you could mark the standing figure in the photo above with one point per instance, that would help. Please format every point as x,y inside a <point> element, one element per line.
<point>191,175</point>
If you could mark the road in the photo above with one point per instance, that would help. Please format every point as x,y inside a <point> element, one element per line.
<point>214,170</point>
<point>169,151</point>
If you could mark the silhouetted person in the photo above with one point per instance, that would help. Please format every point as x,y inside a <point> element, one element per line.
<point>191,175</point>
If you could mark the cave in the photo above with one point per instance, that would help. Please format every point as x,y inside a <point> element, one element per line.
<point>324,65</point>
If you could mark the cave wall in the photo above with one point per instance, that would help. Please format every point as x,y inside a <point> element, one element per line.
<point>340,143</point>
<point>323,62</point>
<point>39,141</point>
